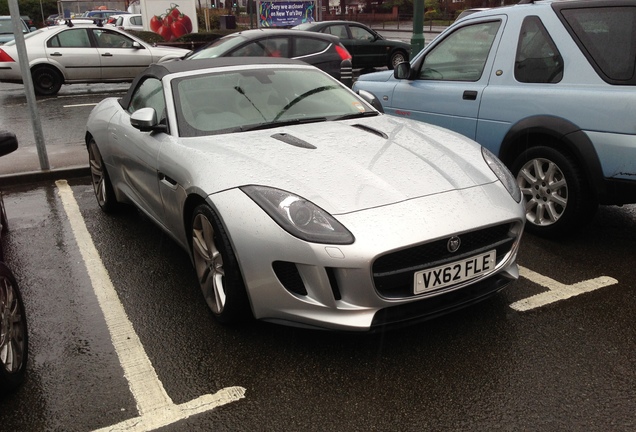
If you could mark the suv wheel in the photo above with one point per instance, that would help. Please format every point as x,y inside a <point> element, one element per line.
<point>557,198</point>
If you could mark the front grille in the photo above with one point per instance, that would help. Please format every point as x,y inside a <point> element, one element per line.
<point>393,273</point>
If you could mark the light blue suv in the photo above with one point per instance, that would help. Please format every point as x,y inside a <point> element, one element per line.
<point>548,86</point>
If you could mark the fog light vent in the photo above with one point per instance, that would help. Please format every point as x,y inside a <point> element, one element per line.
<point>288,275</point>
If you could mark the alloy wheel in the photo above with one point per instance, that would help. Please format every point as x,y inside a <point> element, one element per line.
<point>545,191</point>
<point>208,263</point>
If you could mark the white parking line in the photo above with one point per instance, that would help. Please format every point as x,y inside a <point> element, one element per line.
<point>155,407</point>
<point>557,290</point>
<point>79,105</point>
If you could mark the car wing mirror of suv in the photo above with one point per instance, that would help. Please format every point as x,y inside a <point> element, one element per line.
<point>403,71</point>
<point>137,45</point>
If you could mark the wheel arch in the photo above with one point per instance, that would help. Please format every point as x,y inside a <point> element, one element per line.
<point>53,66</point>
<point>560,134</point>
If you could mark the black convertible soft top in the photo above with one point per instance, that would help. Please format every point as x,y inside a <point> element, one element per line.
<point>160,70</point>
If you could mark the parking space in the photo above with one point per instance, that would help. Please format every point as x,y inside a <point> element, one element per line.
<point>121,336</point>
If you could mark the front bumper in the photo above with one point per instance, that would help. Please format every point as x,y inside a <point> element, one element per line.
<point>294,282</point>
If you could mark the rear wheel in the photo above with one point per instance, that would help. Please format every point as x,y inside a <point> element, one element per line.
<point>217,268</point>
<point>14,340</point>
<point>556,196</point>
<point>396,58</point>
<point>47,81</point>
<point>102,186</point>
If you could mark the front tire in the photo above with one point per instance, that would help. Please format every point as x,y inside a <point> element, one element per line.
<point>217,268</point>
<point>102,186</point>
<point>557,198</point>
<point>14,339</point>
<point>47,81</point>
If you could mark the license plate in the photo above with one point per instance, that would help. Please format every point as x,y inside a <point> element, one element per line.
<point>454,273</point>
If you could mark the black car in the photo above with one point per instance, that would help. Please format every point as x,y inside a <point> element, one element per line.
<point>368,48</point>
<point>13,327</point>
<point>323,51</point>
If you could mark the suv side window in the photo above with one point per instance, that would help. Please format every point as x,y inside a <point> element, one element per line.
<point>149,95</point>
<point>462,55</point>
<point>607,36</point>
<point>538,59</point>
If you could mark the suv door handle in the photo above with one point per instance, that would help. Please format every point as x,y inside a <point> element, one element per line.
<point>469,95</point>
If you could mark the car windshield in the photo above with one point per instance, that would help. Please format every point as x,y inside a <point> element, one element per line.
<point>220,47</point>
<point>6,27</point>
<point>238,101</point>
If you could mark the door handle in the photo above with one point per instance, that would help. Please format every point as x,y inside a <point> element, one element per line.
<point>56,54</point>
<point>107,55</point>
<point>469,95</point>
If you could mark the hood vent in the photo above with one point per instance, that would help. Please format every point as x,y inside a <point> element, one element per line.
<point>371,130</point>
<point>292,140</point>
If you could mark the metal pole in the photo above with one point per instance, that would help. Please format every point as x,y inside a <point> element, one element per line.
<point>417,40</point>
<point>28,83</point>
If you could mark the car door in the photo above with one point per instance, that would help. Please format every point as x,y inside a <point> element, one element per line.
<point>72,50</point>
<point>449,78</point>
<point>368,49</point>
<point>119,58</point>
<point>136,162</point>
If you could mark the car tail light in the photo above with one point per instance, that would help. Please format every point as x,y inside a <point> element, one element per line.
<point>342,52</point>
<point>4,57</point>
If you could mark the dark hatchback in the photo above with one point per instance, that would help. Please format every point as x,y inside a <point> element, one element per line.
<point>13,326</point>
<point>323,51</point>
<point>368,48</point>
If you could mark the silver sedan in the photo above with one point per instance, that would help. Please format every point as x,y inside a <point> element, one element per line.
<point>81,53</point>
<point>301,204</point>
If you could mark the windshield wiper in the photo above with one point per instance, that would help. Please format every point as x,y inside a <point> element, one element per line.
<point>355,115</point>
<point>274,124</point>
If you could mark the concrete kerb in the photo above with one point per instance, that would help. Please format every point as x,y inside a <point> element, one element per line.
<point>19,179</point>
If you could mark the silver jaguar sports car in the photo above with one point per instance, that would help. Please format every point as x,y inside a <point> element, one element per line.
<point>301,204</point>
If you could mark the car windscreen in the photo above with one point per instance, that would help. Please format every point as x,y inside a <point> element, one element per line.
<point>6,26</point>
<point>260,98</point>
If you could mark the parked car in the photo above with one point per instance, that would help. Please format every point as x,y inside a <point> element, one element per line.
<point>301,204</point>
<point>368,48</point>
<point>547,86</point>
<point>82,53</point>
<point>129,22</point>
<point>27,20</point>
<point>6,29</point>
<point>51,20</point>
<point>14,338</point>
<point>323,51</point>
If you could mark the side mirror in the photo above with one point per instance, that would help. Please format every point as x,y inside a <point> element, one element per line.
<point>137,45</point>
<point>145,119</point>
<point>8,143</point>
<point>402,71</point>
<point>371,99</point>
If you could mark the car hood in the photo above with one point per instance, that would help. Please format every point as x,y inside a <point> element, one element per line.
<point>342,166</point>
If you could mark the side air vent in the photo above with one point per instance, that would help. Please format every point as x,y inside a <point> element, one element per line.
<point>292,140</point>
<point>288,275</point>
<point>371,130</point>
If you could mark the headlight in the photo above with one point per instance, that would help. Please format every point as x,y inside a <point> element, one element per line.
<point>299,217</point>
<point>502,173</point>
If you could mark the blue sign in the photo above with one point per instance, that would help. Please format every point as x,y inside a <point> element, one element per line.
<point>285,13</point>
